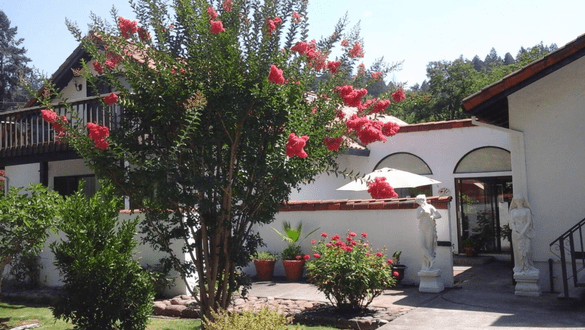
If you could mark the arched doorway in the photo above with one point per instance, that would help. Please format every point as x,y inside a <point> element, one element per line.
<point>483,183</point>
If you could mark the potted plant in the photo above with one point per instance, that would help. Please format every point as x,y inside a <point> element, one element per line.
<point>264,262</point>
<point>469,246</point>
<point>293,259</point>
<point>397,266</point>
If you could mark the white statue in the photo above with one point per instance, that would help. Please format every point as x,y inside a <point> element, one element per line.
<point>427,228</point>
<point>522,235</point>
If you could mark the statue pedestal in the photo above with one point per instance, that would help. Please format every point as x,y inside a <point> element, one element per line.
<point>430,281</point>
<point>527,284</point>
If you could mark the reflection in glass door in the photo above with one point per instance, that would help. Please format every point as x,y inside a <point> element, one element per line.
<point>482,212</point>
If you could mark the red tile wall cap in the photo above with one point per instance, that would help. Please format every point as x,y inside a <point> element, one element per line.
<point>436,125</point>
<point>524,73</point>
<point>440,202</point>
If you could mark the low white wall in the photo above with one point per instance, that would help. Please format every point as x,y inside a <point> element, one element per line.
<point>23,175</point>
<point>49,275</point>
<point>386,228</point>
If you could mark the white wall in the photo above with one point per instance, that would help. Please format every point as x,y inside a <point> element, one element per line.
<point>551,114</point>
<point>441,149</point>
<point>390,229</point>
<point>23,175</point>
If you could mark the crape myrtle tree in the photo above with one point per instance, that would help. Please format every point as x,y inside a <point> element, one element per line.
<point>218,124</point>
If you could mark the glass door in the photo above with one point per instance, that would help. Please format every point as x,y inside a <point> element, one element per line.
<point>482,212</point>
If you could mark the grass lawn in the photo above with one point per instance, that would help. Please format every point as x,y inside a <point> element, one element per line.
<point>15,315</point>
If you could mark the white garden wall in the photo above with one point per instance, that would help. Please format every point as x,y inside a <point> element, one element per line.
<point>390,227</point>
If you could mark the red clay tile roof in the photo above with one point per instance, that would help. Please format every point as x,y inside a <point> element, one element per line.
<point>440,202</point>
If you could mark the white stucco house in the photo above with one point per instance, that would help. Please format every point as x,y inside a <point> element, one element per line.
<point>473,161</point>
<point>542,107</point>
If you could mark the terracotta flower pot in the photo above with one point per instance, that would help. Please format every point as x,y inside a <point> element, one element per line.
<point>469,251</point>
<point>264,269</point>
<point>293,269</point>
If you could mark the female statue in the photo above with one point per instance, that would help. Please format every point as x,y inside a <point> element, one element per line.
<point>427,228</point>
<point>522,234</point>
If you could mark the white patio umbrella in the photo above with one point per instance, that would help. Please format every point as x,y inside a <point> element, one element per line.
<point>396,179</point>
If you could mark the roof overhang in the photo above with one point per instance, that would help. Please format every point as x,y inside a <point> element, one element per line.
<point>491,103</point>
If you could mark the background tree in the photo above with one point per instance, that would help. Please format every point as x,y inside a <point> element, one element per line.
<point>218,125</point>
<point>25,220</point>
<point>13,67</point>
<point>449,82</point>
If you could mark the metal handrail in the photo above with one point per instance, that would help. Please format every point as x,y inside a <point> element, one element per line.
<point>566,244</point>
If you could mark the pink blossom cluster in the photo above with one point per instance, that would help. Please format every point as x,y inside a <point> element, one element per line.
<point>295,145</point>
<point>275,75</point>
<point>58,122</point>
<point>216,26</point>
<point>316,59</point>
<point>333,66</point>
<point>272,24</point>
<point>356,51</point>
<point>399,95</point>
<point>99,134</point>
<point>227,5</point>
<point>380,189</point>
<point>333,143</point>
<point>111,99</point>
<point>127,27</point>
<point>296,17</point>
<point>351,97</point>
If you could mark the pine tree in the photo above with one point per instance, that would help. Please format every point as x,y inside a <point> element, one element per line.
<point>13,65</point>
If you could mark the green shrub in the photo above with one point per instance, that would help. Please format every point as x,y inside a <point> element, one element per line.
<point>105,288</point>
<point>264,319</point>
<point>349,272</point>
<point>159,277</point>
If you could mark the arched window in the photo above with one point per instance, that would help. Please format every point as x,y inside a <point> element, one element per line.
<point>409,163</point>
<point>405,162</point>
<point>485,159</point>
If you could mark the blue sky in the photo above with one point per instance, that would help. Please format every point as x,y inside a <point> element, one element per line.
<point>415,32</point>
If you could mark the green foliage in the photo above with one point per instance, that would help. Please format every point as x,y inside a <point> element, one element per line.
<point>105,287</point>
<point>264,319</point>
<point>159,277</point>
<point>449,82</point>
<point>264,255</point>
<point>350,274</point>
<point>25,219</point>
<point>25,271</point>
<point>291,251</point>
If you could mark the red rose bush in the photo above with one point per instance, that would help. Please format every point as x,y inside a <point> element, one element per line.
<point>349,271</point>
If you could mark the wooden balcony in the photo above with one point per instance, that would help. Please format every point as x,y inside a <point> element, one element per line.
<point>23,132</point>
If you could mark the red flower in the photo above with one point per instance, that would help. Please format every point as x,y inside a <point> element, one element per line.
<point>356,51</point>
<point>275,75</point>
<point>272,23</point>
<point>316,255</point>
<point>352,234</point>
<point>110,64</point>
<point>307,257</point>
<point>323,234</point>
<point>111,99</point>
<point>344,43</point>
<point>390,261</point>
<point>377,76</point>
<point>127,27</point>
<point>313,241</point>
<point>354,243</point>
<point>328,245</point>
<point>295,145</point>
<point>216,27</point>
<point>335,237</point>
<point>351,97</point>
<point>333,144</point>
<point>59,122</point>
<point>361,69</point>
<point>390,128</point>
<point>333,66</point>
<point>212,13</point>
<point>399,96</point>
<point>380,106</point>
<point>97,132</point>
<point>300,47</point>
<point>395,274</point>
<point>48,115</point>
<point>296,17</point>
<point>227,5</point>
<point>98,67</point>
<point>298,257</point>
<point>381,189</point>
<point>364,235</point>
<point>143,34</point>
<point>378,254</point>
<point>348,249</point>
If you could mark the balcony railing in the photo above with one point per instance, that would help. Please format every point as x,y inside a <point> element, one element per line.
<point>24,132</point>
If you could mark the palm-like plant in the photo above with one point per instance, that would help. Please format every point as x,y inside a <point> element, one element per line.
<point>292,235</point>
